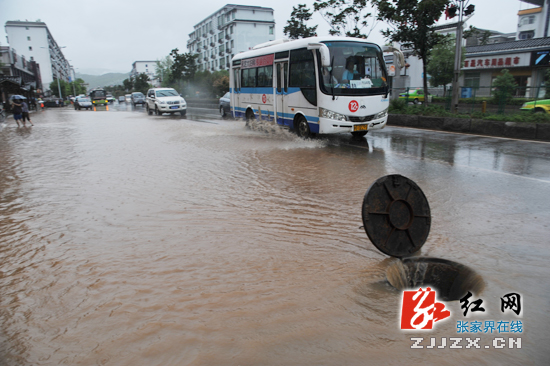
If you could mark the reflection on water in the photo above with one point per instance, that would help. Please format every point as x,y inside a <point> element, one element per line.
<point>135,239</point>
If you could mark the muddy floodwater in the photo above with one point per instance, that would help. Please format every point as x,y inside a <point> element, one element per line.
<point>128,239</point>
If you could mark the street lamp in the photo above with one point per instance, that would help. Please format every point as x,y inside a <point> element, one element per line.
<point>460,9</point>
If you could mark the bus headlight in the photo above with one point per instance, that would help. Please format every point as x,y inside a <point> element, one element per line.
<point>332,115</point>
<point>381,114</point>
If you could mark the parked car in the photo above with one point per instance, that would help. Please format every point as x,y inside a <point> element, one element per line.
<point>165,100</point>
<point>225,105</point>
<point>537,106</point>
<point>83,102</point>
<point>416,96</point>
<point>138,98</point>
<point>110,98</point>
<point>128,98</point>
<point>121,99</point>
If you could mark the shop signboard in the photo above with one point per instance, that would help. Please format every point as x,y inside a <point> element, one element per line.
<point>497,61</point>
<point>540,58</point>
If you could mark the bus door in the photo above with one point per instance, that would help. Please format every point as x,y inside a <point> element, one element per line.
<point>235,100</point>
<point>281,91</point>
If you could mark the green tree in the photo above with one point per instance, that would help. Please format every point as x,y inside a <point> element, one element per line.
<point>413,25</point>
<point>128,84</point>
<point>504,86</point>
<point>296,25</point>
<point>163,70</point>
<point>184,66</point>
<point>76,87</point>
<point>345,17</point>
<point>63,85</point>
<point>441,62</point>
<point>141,83</point>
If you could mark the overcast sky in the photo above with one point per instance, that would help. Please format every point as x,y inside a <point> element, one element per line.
<point>109,35</point>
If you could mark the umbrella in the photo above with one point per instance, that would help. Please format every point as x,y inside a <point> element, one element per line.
<point>17,96</point>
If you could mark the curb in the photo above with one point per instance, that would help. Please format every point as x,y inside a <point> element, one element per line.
<point>524,131</point>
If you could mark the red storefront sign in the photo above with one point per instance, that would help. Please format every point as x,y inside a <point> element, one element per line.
<point>493,62</point>
<point>258,61</point>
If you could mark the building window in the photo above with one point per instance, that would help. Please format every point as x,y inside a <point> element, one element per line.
<point>27,28</point>
<point>32,58</point>
<point>527,35</point>
<point>146,70</point>
<point>528,20</point>
<point>270,29</point>
<point>231,29</point>
<point>231,43</point>
<point>471,79</point>
<point>28,38</point>
<point>233,14</point>
<point>145,65</point>
<point>30,48</point>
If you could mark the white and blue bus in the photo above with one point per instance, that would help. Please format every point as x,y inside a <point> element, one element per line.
<point>318,85</point>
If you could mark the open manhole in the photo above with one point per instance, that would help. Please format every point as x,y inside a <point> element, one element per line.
<point>452,280</point>
<point>396,217</point>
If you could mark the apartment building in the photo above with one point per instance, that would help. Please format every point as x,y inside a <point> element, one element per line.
<point>147,67</point>
<point>228,31</point>
<point>34,42</point>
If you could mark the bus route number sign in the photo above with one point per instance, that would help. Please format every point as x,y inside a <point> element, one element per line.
<point>353,106</point>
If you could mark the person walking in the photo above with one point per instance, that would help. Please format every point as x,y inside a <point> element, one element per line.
<point>17,111</point>
<point>25,113</point>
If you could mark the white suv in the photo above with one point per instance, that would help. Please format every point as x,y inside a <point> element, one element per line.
<point>165,100</point>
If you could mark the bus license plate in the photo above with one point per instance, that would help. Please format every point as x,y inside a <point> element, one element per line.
<point>360,128</point>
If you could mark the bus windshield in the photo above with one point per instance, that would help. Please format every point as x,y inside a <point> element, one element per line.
<point>357,69</point>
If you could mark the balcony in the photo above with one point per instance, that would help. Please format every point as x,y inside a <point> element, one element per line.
<point>205,47</point>
<point>227,36</point>
<point>222,67</point>
<point>213,57</point>
<point>211,31</point>
<point>220,40</point>
<point>205,35</point>
<point>221,53</point>
<point>228,50</point>
<point>212,44</point>
<point>205,58</point>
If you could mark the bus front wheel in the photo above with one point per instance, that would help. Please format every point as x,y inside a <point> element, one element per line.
<point>249,118</point>
<point>302,128</point>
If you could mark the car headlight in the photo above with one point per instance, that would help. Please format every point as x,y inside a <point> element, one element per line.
<point>162,102</point>
<point>381,114</point>
<point>332,115</point>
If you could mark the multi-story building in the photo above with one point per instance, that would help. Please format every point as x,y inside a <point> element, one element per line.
<point>228,31</point>
<point>17,75</point>
<point>34,41</point>
<point>146,67</point>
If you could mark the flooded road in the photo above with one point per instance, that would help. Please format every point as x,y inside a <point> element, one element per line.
<point>128,239</point>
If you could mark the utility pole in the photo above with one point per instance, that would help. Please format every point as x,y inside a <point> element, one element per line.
<point>458,9</point>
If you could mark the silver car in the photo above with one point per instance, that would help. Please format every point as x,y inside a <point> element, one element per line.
<point>83,102</point>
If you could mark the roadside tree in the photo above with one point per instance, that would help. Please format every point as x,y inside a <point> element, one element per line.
<point>346,17</point>
<point>440,65</point>
<point>412,24</point>
<point>296,26</point>
<point>141,83</point>
<point>504,86</point>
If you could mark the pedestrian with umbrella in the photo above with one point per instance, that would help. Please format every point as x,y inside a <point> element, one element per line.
<point>25,112</point>
<point>17,110</point>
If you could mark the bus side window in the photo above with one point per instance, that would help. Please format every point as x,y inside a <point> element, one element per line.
<point>278,77</point>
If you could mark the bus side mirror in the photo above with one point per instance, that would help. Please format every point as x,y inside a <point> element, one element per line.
<point>323,51</point>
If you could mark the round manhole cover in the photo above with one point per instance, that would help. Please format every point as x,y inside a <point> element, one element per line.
<point>396,215</point>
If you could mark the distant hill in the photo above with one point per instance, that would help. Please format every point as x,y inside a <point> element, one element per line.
<point>95,81</point>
